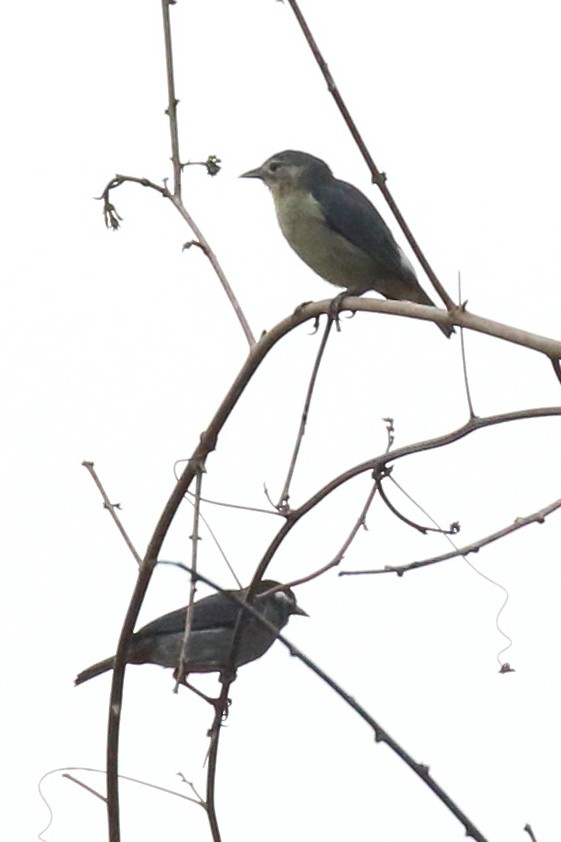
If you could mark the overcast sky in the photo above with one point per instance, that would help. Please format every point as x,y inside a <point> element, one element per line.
<point>118,347</point>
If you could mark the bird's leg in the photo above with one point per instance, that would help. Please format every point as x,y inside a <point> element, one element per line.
<point>209,699</point>
<point>216,703</point>
<point>335,308</point>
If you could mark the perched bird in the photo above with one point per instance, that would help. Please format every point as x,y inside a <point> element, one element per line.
<point>337,231</point>
<point>213,622</point>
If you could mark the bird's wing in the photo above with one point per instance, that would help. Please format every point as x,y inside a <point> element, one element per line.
<point>348,212</point>
<point>214,611</point>
<point>219,610</point>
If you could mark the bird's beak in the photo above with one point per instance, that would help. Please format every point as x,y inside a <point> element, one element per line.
<point>298,610</point>
<point>258,173</point>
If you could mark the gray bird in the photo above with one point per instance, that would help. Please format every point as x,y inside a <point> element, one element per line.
<point>213,622</point>
<point>337,231</point>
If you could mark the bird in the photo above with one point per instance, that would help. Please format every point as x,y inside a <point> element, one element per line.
<point>337,231</point>
<point>213,621</point>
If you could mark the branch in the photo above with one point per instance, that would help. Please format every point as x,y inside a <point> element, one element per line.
<point>111,508</point>
<point>220,707</point>
<point>113,220</point>
<point>340,555</point>
<point>474,547</point>
<point>171,110</point>
<point>181,667</point>
<point>453,530</point>
<point>283,506</point>
<point>379,463</point>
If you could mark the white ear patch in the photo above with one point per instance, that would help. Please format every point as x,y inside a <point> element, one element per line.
<point>281,596</point>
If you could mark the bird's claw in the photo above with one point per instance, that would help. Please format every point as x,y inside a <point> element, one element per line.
<point>335,309</point>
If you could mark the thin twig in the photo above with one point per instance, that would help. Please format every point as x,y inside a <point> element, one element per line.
<point>378,463</point>
<point>454,528</point>
<point>181,667</point>
<point>377,177</point>
<point>339,556</point>
<point>390,432</point>
<point>381,735</point>
<point>89,789</point>
<point>213,260</point>
<point>474,547</point>
<point>177,170</point>
<point>112,220</point>
<point>238,506</point>
<point>530,832</point>
<point>283,506</point>
<point>463,349</point>
<point>216,727</point>
<point>171,110</point>
<point>65,769</point>
<point>111,508</point>
<point>216,541</point>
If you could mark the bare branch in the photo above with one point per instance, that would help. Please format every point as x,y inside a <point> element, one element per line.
<point>112,220</point>
<point>463,349</point>
<point>219,711</point>
<point>181,667</point>
<point>530,832</point>
<point>171,110</point>
<point>380,462</point>
<point>110,215</point>
<point>381,735</point>
<point>283,505</point>
<point>474,547</point>
<point>213,260</point>
<point>111,508</point>
<point>66,769</point>
<point>85,786</point>
<point>454,528</point>
<point>340,555</point>
<point>216,541</point>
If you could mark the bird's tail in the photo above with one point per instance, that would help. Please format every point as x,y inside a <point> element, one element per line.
<point>447,330</point>
<point>95,669</point>
<point>422,298</point>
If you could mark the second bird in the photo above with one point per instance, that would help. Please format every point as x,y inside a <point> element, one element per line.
<point>213,623</point>
<point>337,231</point>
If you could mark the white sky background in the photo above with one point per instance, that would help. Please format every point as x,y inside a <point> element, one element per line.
<point>118,348</point>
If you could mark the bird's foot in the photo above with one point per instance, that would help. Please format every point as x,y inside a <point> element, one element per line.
<point>217,703</point>
<point>335,309</point>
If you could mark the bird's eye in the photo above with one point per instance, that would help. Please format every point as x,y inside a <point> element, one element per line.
<point>273,166</point>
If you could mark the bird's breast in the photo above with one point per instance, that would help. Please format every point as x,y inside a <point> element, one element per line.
<point>328,253</point>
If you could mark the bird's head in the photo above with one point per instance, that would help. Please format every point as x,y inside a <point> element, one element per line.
<point>290,170</point>
<point>280,596</point>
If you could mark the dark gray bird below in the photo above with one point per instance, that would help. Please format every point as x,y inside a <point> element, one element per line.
<point>213,622</point>
<point>337,231</point>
